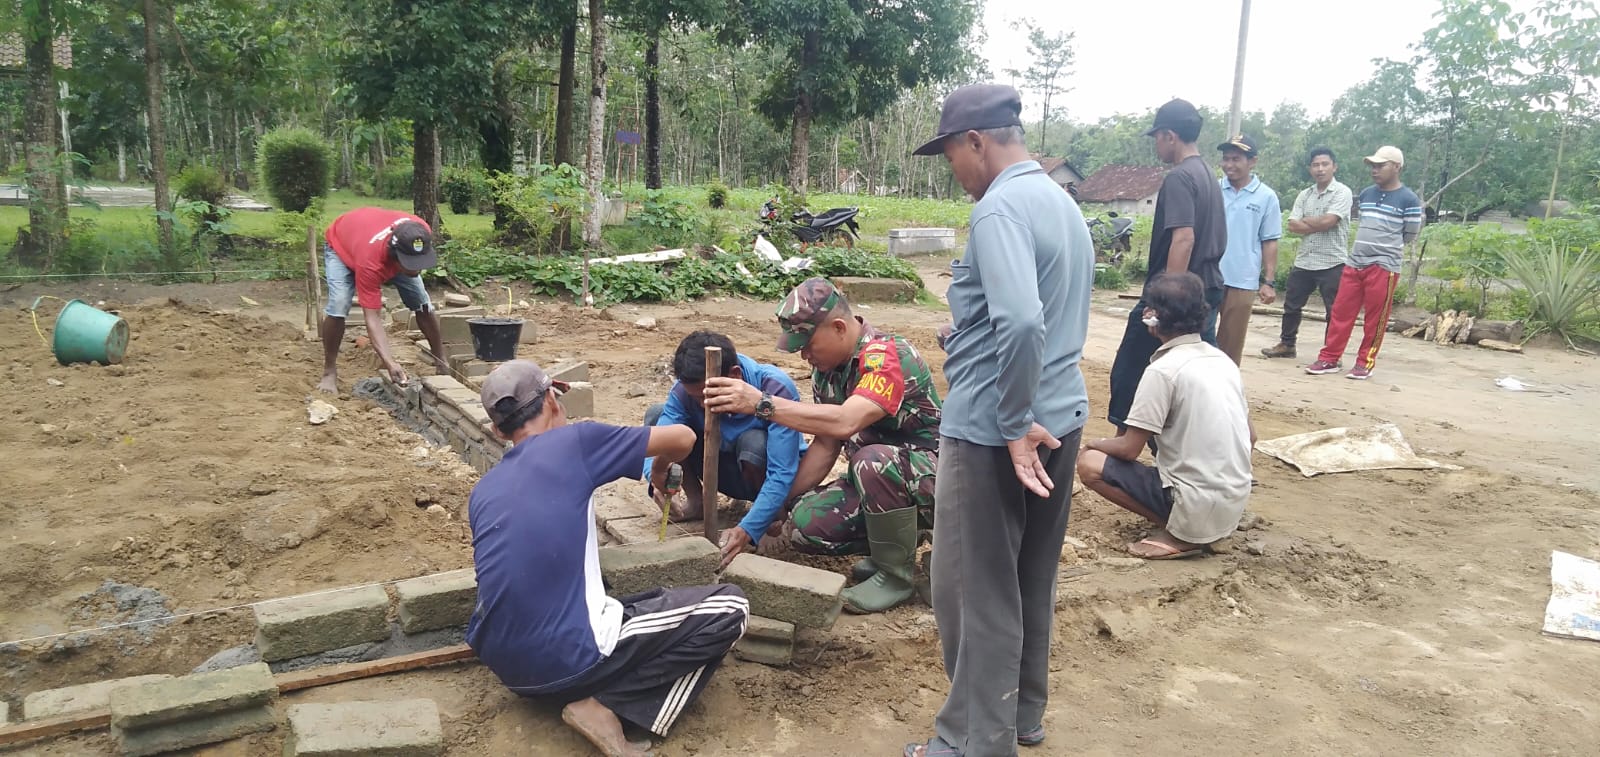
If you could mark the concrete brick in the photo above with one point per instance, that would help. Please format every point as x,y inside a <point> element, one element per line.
<point>788,592</point>
<point>461,398</point>
<point>441,600</point>
<point>862,289</point>
<point>478,368</point>
<point>764,651</point>
<point>476,415</point>
<point>476,311</point>
<point>298,626</point>
<point>5,713</point>
<point>436,384</point>
<point>530,333</point>
<point>472,431</point>
<point>172,737</point>
<point>408,728</point>
<point>686,561</point>
<point>445,413</point>
<point>569,370</point>
<point>904,242</point>
<point>72,700</point>
<point>579,400</point>
<point>453,329</point>
<point>156,703</point>
<point>757,627</point>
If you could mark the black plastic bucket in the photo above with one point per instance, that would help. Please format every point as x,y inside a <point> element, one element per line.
<point>494,340</point>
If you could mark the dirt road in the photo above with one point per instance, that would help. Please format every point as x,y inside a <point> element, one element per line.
<point>1393,612</point>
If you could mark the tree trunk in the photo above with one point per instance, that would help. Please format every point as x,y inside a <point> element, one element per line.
<point>158,134</point>
<point>122,162</point>
<point>47,189</point>
<point>425,174</point>
<point>496,130</point>
<point>652,112</point>
<point>566,86</point>
<point>597,124</point>
<point>1561,150</point>
<point>800,130</point>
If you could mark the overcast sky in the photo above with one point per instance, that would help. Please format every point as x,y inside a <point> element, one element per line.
<point>1132,55</point>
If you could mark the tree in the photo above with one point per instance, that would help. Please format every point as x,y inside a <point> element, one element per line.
<point>843,61</point>
<point>597,123</point>
<point>1046,74</point>
<point>158,138</point>
<point>651,19</point>
<point>46,178</point>
<point>1565,54</point>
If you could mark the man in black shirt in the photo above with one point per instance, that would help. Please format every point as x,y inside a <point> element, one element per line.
<point>1189,235</point>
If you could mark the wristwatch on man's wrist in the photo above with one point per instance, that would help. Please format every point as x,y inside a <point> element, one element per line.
<point>764,408</point>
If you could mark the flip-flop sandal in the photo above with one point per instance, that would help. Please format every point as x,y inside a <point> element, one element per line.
<point>1172,552</point>
<point>1032,737</point>
<point>928,751</point>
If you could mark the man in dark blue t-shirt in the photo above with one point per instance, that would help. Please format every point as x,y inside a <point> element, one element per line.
<point>543,622</point>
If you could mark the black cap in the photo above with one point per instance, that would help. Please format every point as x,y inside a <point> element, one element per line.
<point>412,243</point>
<point>974,108</point>
<point>1241,143</point>
<point>1177,115</point>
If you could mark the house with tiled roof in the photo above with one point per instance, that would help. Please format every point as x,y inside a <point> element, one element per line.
<point>1128,190</point>
<point>1060,170</point>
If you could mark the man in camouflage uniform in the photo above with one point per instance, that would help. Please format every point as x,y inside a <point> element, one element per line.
<point>874,400</point>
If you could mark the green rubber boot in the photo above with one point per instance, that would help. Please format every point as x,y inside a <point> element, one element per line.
<point>864,569</point>
<point>892,536</point>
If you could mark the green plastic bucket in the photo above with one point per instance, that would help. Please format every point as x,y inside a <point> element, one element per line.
<point>86,334</point>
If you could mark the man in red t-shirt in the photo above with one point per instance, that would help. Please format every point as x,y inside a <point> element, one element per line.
<point>367,247</point>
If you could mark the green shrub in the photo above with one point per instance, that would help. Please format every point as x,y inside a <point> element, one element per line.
<point>717,195</point>
<point>665,221</point>
<point>1564,288</point>
<point>1109,277</point>
<point>393,182</point>
<point>463,189</point>
<point>1135,267</point>
<point>296,167</point>
<point>202,183</point>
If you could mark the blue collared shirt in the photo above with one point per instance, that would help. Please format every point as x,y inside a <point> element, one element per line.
<point>1253,216</point>
<point>1019,303</point>
<point>784,444</point>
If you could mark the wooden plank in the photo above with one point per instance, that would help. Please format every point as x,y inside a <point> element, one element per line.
<point>287,682</point>
<point>350,671</point>
<point>713,447</point>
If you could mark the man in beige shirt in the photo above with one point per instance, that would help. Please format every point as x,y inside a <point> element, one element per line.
<point>1192,398</point>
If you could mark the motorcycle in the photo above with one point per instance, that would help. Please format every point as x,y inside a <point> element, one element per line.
<point>828,227</point>
<point>1112,239</point>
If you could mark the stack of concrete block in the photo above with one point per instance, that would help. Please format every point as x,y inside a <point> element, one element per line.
<point>80,699</point>
<point>767,641</point>
<point>579,399</point>
<point>686,561</point>
<point>195,710</point>
<point>442,600</point>
<point>407,728</point>
<point>314,623</point>
<point>449,412</point>
<point>907,242</point>
<point>787,592</point>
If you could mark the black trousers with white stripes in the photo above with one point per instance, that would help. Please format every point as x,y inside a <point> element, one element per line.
<point>672,640</point>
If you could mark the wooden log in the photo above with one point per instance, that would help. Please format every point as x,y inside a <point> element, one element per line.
<point>1462,328</point>
<point>287,682</point>
<point>1407,317</point>
<point>1496,344</point>
<point>1500,331</point>
<point>1418,330</point>
<point>713,447</point>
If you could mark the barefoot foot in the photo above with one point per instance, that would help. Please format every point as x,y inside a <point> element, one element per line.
<point>329,384</point>
<point>600,726</point>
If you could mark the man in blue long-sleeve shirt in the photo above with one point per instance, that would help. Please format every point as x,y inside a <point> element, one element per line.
<point>1019,305</point>
<point>759,458</point>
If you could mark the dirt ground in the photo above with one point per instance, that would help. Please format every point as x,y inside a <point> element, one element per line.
<point>1389,612</point>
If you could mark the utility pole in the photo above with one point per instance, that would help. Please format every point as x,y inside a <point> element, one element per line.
<point>1234,115</point>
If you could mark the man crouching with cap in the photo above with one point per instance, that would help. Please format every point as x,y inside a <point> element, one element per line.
<point>366,248</point>
<point>873,398</point>
<point>543,622</point>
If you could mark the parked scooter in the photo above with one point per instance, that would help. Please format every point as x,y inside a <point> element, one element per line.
<point>826,228</point>
<point>1111,239</point>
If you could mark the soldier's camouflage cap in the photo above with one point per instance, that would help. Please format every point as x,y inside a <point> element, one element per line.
<point>806,307</point>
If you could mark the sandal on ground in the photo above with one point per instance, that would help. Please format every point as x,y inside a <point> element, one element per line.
<point>1165,551</point>
<point>1032,737</point>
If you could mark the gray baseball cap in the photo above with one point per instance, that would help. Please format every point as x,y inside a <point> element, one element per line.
<point>520,380</point>
<point>974,108</point>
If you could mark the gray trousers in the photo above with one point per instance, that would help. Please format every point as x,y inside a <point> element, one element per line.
<point>996,548</point>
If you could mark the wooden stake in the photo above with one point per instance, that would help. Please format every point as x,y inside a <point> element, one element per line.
<point>287,682</point>
<point>713,446</point>
<point>313,300</point>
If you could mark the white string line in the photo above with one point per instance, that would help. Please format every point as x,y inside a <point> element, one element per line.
<point>170,618</point>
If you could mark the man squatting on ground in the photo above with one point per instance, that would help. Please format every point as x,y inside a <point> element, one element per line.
<point>1190,234</point>
<point>758,458</point>
<point>1019,306</point>
<point>1250,263</point>
<point>365,248</point>
<point>1391,216</point>
<point>543,622</point>
<point>1191,397</point>
<point>1321,217</point>
<point>873,398</point>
